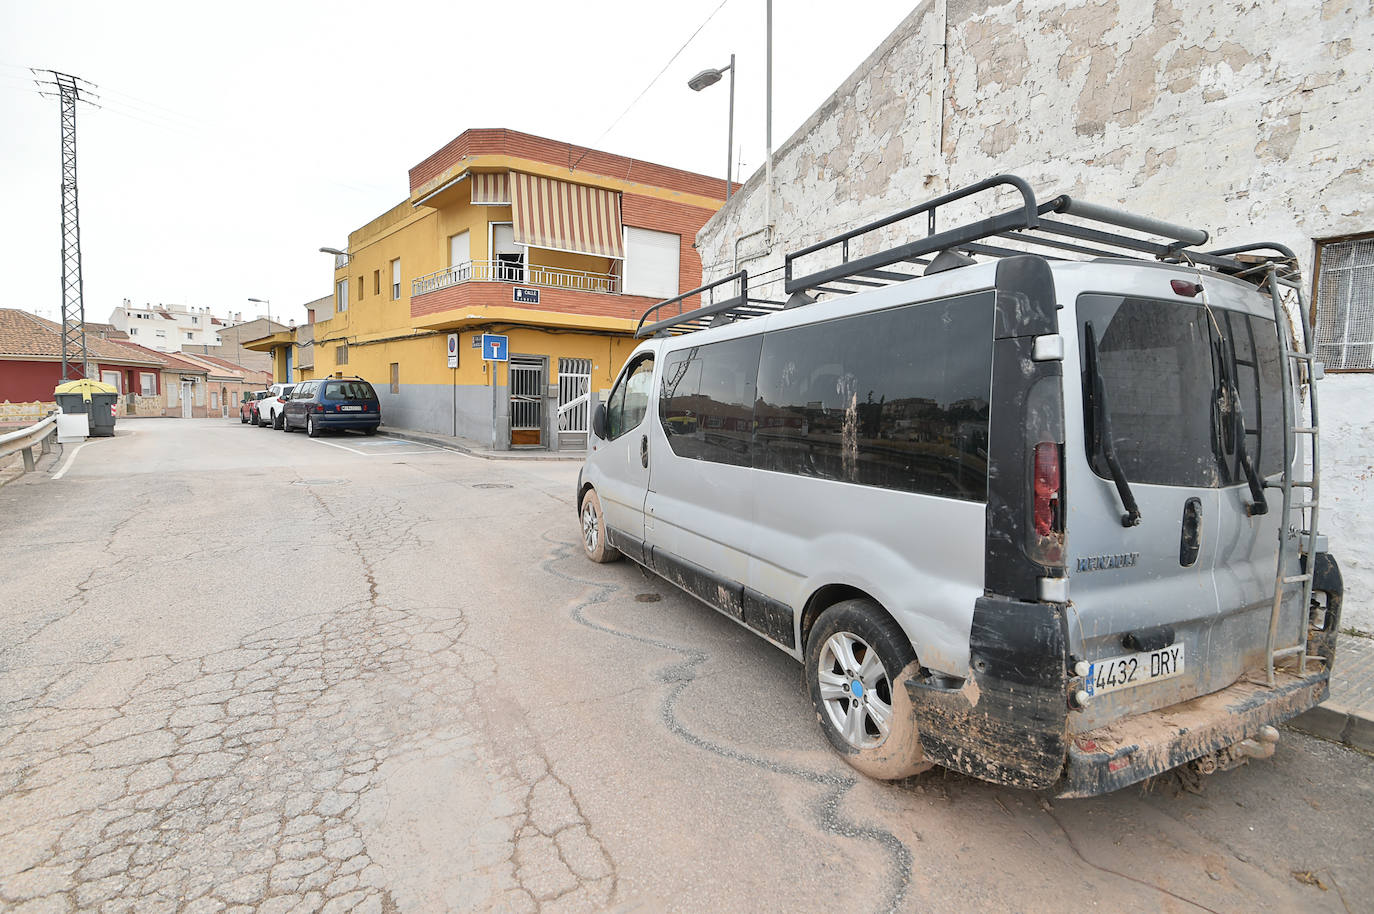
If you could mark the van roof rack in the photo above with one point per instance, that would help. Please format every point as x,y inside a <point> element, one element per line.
<point>737,305</point>
<point>1028,225</point>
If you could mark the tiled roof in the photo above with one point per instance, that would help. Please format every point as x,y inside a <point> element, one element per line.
<point>233,366</point>
<point>25,334</point>
<point>213,366</point>
<point>169,361</point>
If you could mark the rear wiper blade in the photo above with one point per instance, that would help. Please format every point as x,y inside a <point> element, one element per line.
<point>1260,505</point>
<point>1102,442</point>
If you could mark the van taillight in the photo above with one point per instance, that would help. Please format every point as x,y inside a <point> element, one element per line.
<point>1046,487</point>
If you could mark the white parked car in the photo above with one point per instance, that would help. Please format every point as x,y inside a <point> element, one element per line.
<point>272,407</point>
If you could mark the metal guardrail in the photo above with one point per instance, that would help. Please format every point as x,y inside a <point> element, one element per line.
<point>502,271</point>
<point>26,439</point>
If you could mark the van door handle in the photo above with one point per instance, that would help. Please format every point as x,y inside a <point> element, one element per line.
<point>1190,540</point>
<point>644,451</point>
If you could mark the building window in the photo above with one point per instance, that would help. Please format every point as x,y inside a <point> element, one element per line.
<point>214,400</point>
<point>162,334</point>
<point>113,379</point>
<point>1343,308</point>
<point>195,320</point>
<point>395,375</point>
<point>509,257</point>
<point>341,295</point>
<point>651,262</point>
<point>396,279</point>
<point>360,288</point>
<point>190,336</point>
<point>147,384</point>
<point>459,250</point>
<point>341,354</point>
<point>199,391</point>
<point>133,331</point>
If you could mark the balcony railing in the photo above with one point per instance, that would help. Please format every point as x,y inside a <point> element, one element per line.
<point>502,271</point>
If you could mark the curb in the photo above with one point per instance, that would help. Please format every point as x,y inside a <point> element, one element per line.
<point>1335,723</point>
<point>452,445</point>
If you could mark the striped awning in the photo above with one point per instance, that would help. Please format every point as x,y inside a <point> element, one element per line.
<point>491,189</point>
<point>560,216</point>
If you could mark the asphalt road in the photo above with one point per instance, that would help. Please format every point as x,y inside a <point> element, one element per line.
<point>245,670</point>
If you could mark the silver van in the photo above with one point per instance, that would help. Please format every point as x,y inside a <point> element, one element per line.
<point>1031,497</point>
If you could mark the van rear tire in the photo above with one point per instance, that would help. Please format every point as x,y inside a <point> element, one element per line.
<point>855,641</point>
<point>594,542</point>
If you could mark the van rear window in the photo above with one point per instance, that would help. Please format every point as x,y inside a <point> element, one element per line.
<point>1161,379</point>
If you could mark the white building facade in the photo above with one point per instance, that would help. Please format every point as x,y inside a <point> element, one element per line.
<point>1255,123</point>
<point>167,328</point>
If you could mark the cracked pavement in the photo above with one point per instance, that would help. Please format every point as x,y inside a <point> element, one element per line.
<point>248,671</point>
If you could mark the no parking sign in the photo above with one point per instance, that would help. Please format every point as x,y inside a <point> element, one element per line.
<point>453,350</point>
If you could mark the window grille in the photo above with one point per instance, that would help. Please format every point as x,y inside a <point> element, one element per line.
<point>1344,304</point>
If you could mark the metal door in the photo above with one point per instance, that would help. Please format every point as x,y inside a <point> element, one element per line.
<point>187,392</point>
<point>574,401</point>
<point>526,402</point>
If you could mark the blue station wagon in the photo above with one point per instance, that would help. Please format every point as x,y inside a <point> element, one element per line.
<point>333,403</point>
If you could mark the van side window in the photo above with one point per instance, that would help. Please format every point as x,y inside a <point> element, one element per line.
<point>896,399</point>
<point>706,403</point>
<point>630,399</point>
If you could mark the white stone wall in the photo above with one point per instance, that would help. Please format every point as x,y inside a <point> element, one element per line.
<point>1254,121</point>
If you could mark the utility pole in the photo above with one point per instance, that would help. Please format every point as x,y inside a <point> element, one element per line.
<point>70,90</point>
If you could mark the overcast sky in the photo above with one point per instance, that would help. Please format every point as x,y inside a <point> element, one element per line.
<point>236,139</point>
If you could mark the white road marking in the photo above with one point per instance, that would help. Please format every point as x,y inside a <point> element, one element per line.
<point>70,457</point>
<point>388,453</point>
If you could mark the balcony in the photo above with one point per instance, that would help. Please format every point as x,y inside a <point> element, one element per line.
<point>504,272</point>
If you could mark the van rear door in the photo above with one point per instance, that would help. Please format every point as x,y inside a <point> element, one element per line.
<point>1144,599</point>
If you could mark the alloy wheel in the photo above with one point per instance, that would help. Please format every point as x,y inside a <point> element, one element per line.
<point>591,528</point>
<point>855,690</point>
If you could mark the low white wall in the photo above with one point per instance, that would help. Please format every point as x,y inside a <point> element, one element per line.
<point>1346,406</point>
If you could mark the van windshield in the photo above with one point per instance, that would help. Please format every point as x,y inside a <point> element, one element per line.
<point>1160,370</point>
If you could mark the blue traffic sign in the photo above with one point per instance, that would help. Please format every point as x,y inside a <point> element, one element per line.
<point>495,347</point>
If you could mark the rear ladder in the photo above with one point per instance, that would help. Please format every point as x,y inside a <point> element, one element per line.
<point>1305,361</point>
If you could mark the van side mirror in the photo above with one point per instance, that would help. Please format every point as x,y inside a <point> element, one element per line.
<point>599,421</point>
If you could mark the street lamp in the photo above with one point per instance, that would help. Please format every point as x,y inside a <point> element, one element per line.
<point>268,303</point>
<point>337,254</point>
<point>710,78</point>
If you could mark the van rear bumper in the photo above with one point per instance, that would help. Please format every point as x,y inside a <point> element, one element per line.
<point>1143,745</point>
<point>1009,721</point>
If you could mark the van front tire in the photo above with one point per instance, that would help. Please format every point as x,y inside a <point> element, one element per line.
<point>857,661</point>
<point>594,542</point>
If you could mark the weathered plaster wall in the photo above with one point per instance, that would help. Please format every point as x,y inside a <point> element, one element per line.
<point>1253,120</point>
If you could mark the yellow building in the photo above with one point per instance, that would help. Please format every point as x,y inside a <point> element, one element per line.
<point>557,248</point>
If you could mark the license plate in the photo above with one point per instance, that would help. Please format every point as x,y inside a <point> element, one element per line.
<point>351,409</point>
<point>1134,669</point>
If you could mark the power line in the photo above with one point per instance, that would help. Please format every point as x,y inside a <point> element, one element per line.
<point>656,78</point>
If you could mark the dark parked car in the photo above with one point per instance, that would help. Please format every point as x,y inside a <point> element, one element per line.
<point>337,403</point>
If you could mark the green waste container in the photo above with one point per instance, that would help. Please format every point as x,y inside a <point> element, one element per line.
<point>98,400</point>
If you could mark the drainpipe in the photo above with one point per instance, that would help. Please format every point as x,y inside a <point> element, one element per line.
<point>768,133</point>
<point>734,265</point>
